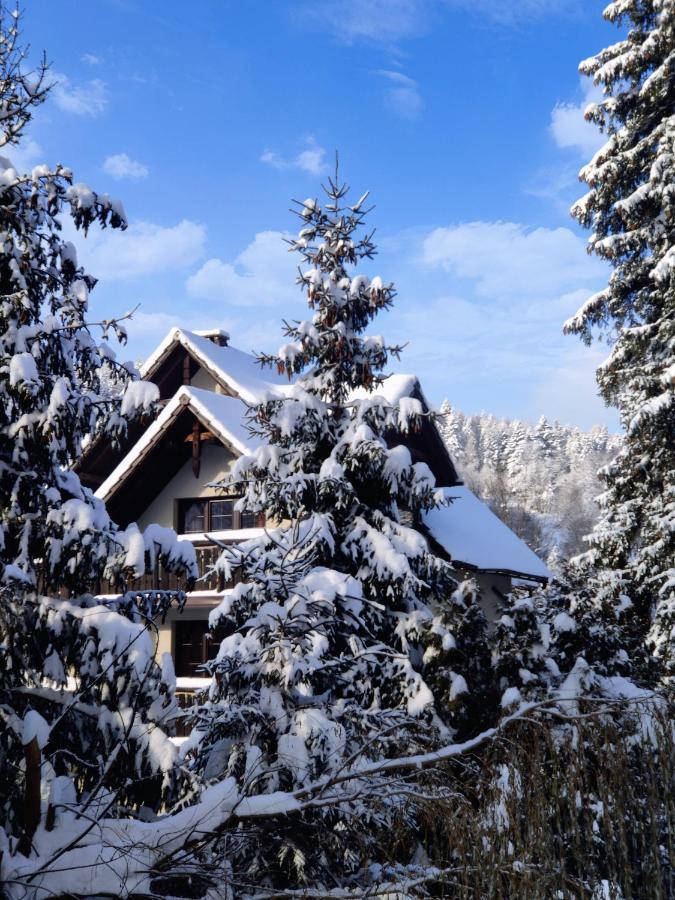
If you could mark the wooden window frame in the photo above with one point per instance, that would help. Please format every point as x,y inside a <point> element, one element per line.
<point>182,503</point>
<point>203,648</point>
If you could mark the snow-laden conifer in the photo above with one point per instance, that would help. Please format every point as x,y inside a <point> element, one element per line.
<point>541,480</point>
<point>82,700</point>
<point>347,640</point>
<point>630,207</point>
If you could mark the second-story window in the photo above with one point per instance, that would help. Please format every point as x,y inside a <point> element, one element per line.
<point>193,516</point>
<point>248,520</point>
<point>221,513</point>
<point>198,515</point>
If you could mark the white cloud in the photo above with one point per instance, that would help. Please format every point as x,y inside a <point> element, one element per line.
<point>402,96</point>
<point>391,21</point>
<point>262,275</point>
<point>143,249</point>
<point>310,160</point>
<point>568,126</point>
<point>481,307</point>
<point>91,59</point>
<point>480,304</point>
<point>121,165</point>
<point>89,98</point>
<point>381,21</point>
<point>505,259</point>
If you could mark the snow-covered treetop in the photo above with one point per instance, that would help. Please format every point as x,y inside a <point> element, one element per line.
<point>343,303</point>
<point>629,202</point>
<point>324,438</point>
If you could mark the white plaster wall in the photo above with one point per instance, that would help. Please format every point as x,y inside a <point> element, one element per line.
<point>216,461</point>
<point>202,379</point>
<point>490,601</point>
<point>164,640</point>
<point>195,608</point>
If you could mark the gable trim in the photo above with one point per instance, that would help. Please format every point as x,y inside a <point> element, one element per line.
<point>178,337</point>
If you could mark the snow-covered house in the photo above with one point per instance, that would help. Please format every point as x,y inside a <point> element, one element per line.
<point>163,470</point>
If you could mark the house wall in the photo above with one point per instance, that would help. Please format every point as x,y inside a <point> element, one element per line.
<point>164,639</point>
<point>491,603</point>
<point>202,379</point>
<point>196,608</point>
<point>216,462</point>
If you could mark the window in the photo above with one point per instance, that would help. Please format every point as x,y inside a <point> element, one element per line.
<point>248,520</point>
<point>192,645</point>
<point>194,516</point>
<point>221,514</point>
<point>198,516</point>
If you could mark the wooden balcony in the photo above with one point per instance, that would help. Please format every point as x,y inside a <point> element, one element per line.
<point>185,698</point>
<point>161,579</point>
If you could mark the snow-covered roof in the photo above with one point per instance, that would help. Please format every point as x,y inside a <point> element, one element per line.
<point>470,532</point>
<point>393,388</point>
<point>234,369</point>
<point>474,535</point>
<point>240,372</point>
<point>223,415</point>
<point>222,337</point>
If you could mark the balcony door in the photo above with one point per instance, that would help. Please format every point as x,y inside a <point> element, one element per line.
<point>192,647</point>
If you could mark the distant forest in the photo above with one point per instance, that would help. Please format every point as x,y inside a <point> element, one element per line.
<point>541,480</point>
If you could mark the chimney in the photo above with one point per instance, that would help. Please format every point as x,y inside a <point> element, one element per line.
<point>219,337</point>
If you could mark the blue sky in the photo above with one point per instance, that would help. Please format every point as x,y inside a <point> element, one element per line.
<point>462,117</point>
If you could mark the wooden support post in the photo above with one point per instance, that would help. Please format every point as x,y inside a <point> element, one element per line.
<point>196,449</point>
<point>32,808</point>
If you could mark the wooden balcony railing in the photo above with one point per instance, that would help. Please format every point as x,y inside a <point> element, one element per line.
<point>161,579</point>
<point>185,698</point>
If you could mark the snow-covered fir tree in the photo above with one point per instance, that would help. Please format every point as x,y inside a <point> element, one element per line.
<point>347,640</point>
<point>82,700</point>
<point>630,208</point>
<point>348,645</point>
<point>541,480</point>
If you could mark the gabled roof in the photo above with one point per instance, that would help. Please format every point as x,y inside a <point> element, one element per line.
<point>426,445</point>
<point>236,371</point>
<point>222,415</point>
<point>393,388</point>
<point>239,374</point>
<point>466,529</point>
<point>473,535</point>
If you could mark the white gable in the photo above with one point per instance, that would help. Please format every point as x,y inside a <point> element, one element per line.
<point>234,369</point>
<point>222,415</point>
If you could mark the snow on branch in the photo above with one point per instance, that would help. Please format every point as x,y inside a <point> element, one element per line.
<point>119,857</point>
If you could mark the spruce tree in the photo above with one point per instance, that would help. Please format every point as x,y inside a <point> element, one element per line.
<point>347,640</point>
<point>630,207</point>
<point>82,700</point>
<point>450,424</point>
